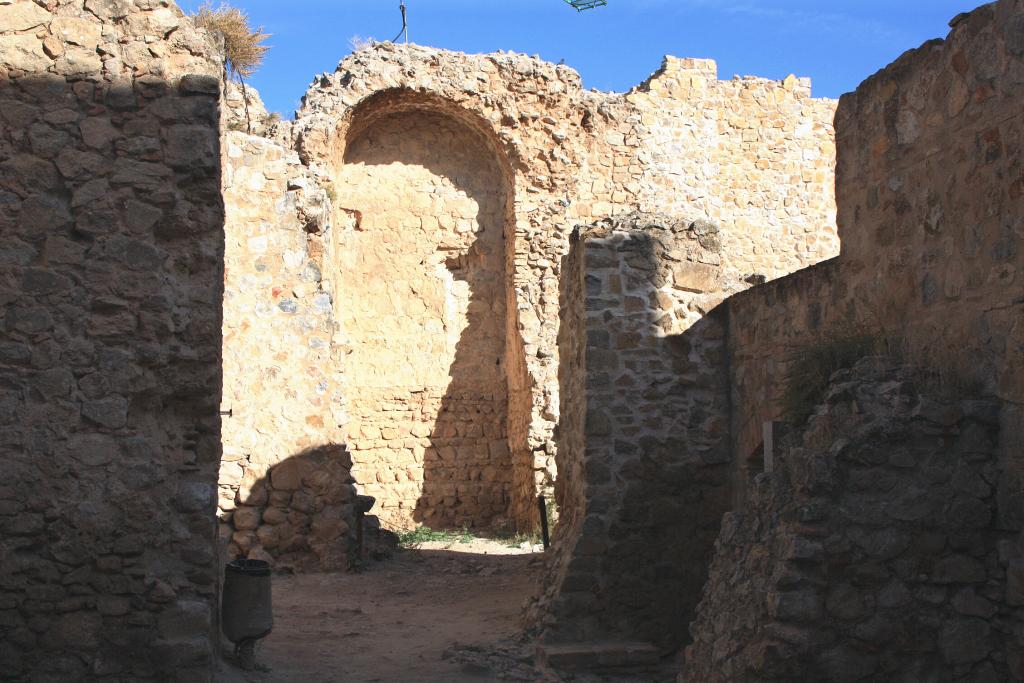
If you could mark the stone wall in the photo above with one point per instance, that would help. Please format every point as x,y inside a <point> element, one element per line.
<point>769,326</point>
<point>282,364</point>
<point>930,186</point>
<point>571,487</point>
<point>479,93</point>
<point>112,287</point>
<point>930,216</point>
<point>648,459</point>
<point>871,551</point>
<point>929,195</point>
<point>110,297</point>
<point>755,155</point>
<point>422,305</point>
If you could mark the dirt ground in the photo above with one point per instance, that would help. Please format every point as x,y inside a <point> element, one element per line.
<point>435,613</point>
<point>444,612</point>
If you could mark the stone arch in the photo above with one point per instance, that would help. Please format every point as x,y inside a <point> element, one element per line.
<point>532,113</point>
<point>389,101</point>
<point>426,305</point>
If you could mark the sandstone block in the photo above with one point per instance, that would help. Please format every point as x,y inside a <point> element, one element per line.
<point>21,16</point>
<point>245,518</point>
<point>1015,582</point>
<point>958,569</point>
<point>98,132</point>
<point>695,277</point>
<point>93,450</point>
<point>797,605</point>
<point>199,84</point>
<point>77,631</point>
<point>189,146</point>
<point>109,412</point>
<point>184,619</point>
<point>275,515</point>
<point>286,476</point>
<point>109,9</point>
<point>964,641</point>
<point>195,497</point>
<point>76,31</point>
<point>23,52</point>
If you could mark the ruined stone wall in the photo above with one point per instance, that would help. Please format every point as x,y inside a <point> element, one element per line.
<point>755,155</point>
<point>769,327</point>
<point>930,215</point>
<point>570,490</point>
<point>110,295</point>
<point>527,112</point>
<point>930,194</point>
<point>282,367</point>
<point>871,551</point>
<point>931,189</point>
<point>649,457</point>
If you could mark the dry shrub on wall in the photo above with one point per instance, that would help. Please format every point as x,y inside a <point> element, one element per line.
<point>243,51</point>
<point>243,48</point>
<point>810,368</point>
<point>940,372</point>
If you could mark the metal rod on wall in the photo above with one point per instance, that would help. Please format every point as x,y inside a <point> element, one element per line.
<point>543,507</point>
<point>405,23</point>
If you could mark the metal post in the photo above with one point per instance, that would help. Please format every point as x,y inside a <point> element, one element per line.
<point>405,21</point>
<point>543,507</point>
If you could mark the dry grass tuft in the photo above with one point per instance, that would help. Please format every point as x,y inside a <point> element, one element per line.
<point>358,42</point>
<point>811,368</point>
<point>937,371</point>
<point>243,49</point>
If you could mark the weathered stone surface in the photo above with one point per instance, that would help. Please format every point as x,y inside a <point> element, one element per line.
<point>919,273</point>
<point>191,146</point>
<point>456,258</point>
<point>695,277</point>
<point>965,641</point>
<point>21,16</point>
<point>299,516</point>
<point>871,605</point>
<point>640,448</point>
<point>76,31</point>
<point>110,410</point>
<point>519,106</point>
<point>23,52</point>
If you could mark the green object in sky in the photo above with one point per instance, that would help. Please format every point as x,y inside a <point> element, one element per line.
<point>581,5</point>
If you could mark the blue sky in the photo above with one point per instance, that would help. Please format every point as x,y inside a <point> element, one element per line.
<point>838,43</point>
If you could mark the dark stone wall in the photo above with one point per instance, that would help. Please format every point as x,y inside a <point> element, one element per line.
<point>110,296</point>
<point>872,549</point>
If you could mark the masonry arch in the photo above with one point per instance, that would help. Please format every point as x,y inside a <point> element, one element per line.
<point>427,310</point>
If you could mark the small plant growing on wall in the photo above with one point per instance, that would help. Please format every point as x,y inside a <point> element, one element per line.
<point>243,45</point>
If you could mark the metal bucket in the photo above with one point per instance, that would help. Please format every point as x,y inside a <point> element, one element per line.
<point>245,602</point>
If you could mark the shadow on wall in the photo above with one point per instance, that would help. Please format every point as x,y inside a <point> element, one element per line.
<point>467,468</point>
<point>300,516</point>
<point>432,253</point>
<point>110,301</point>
